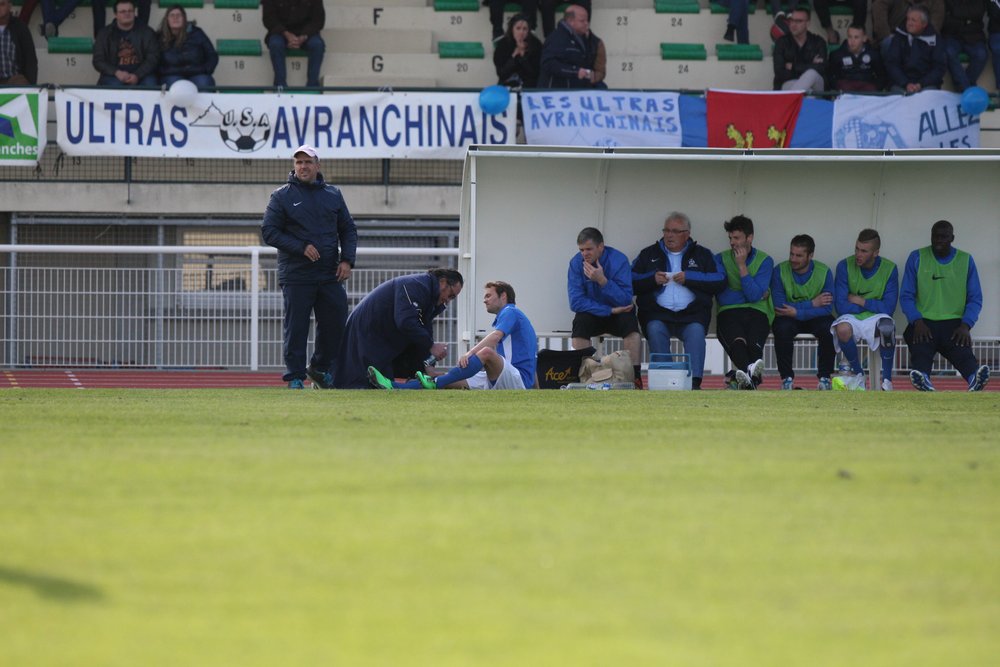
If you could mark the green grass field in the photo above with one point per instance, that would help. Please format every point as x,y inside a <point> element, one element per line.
<point>268,527</point>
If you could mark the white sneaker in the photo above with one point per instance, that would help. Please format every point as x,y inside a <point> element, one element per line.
<point>856,382</point>
<point>743,381</point>
<point>756,372</point>
<point>886,385</point>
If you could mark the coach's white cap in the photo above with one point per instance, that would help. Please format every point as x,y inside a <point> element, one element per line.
<point>307,149</point>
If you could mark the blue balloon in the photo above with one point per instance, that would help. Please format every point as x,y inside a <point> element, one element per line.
<point>494,99</point>
<point>975,100</point>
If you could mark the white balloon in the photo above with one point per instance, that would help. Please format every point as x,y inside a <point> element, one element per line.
<point>182,93</point>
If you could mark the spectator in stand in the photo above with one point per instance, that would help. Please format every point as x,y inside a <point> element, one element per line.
<point>993,27</point>
<point>186,52</point>
<point>518,55</point>
<point>859,11</point>
<point>126,53</point>
<point>916,59</point>
<point>800,56</point>
<point>548,10</point>
<point>856,66</point>
<point>54,13</point>
<point>295,24</point>
<point>573,56</point>
<point>529,9</point>
<point>963,33</point>
<point>738,21</point>
<point>887,15</point>
<point>18,62</point>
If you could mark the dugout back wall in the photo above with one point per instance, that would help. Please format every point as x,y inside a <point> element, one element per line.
<point>522,208</point>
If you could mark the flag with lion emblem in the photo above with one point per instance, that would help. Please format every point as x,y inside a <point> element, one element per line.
<point>745,120</point>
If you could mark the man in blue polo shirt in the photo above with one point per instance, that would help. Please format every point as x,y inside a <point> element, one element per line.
<point>504,359</point>
<point>941,298</point>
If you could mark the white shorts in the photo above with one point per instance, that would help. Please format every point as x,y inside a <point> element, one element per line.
<point>509,378</point>
<point>864,330</point>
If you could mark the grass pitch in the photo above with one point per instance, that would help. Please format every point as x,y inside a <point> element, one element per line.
<point>268,527</point>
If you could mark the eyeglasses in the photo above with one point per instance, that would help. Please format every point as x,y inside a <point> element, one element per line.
<point>796,20</point>
<point>675,231</point>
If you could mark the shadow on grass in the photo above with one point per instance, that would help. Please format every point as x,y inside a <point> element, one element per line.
<point>51,588</point>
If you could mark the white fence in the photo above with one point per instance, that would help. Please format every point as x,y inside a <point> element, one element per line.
<point>160,306</point>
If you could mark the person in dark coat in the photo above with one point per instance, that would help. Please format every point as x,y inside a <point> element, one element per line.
<point>186,52</point>
<point>126,52</point>
<point>308,222</point>
<point>22,68</point>
<point>916,59</point>
<point>517,55</point>
<point>800,56</point>
<point>295,24</point>
<point>573,56</point>
<point>964,32</point>
<point>393,321</point>
<point>674,281</point>
<point>856,66</point>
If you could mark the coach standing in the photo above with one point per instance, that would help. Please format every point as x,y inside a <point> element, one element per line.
<point>308,222</point>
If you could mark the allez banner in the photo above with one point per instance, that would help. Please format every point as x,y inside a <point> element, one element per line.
<point>602,118</point>
<point>23,118</point>
<point>929,119</point>
<point>105,121</point>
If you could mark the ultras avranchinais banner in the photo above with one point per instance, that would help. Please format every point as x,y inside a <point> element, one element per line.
<point>738,119</point>
<point>266,126</point>
<point>23,118</point>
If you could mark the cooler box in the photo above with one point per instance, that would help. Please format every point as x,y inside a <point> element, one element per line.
<point>669,372</point>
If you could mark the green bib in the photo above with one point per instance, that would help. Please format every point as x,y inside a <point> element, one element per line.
<point>941,290</point>
<point>869,288</point>
<point>733,277</point>
<point>811,288</point>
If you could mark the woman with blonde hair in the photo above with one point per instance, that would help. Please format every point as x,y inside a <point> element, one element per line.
<point>186,52</point>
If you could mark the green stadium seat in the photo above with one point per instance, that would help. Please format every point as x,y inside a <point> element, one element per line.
<point>738,52</point>
<point>71,45</point>
<point>456,5</point>
<point>186,4</point>
<point>677,6</point>
<point>238,47</point>
<point>515,8</point>
<point>237,4</point>
<point>467,50</point>
<point>296,53</point>
<point>841,10</point>
<point>683,51</point>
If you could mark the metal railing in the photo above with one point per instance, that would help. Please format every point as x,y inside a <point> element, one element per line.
<point>161,306</point>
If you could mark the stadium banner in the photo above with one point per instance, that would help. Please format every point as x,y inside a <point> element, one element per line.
<point>23,118</point>
<point>141,123</point>
<point>740,119</point>
<point>930,119</point>
<point>602,118</point>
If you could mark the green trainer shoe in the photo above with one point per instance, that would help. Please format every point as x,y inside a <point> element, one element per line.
<point>378,380</point>
<point>425,381</point>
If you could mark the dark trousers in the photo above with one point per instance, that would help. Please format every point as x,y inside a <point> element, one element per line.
<point>787,328</point>
<point>328,302</point>
<point>922,354</point>
<point>742,332</point>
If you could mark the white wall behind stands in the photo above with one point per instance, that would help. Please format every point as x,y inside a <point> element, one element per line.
<point>523,206</point>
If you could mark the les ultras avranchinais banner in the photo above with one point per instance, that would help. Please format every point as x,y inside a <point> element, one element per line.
<point>23,114</point>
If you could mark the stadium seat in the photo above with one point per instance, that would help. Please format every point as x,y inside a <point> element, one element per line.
<point>677,7</point>
<point>237,4</point>
<point>738,52</point>
<point>239,47</point>
<point>456,5</point>
<point>468,50</point>
<point>186,4</point>
<point>683,51</point>
<point>70,45</point>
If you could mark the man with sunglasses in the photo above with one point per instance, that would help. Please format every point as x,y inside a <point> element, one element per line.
<point>394,320</point>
